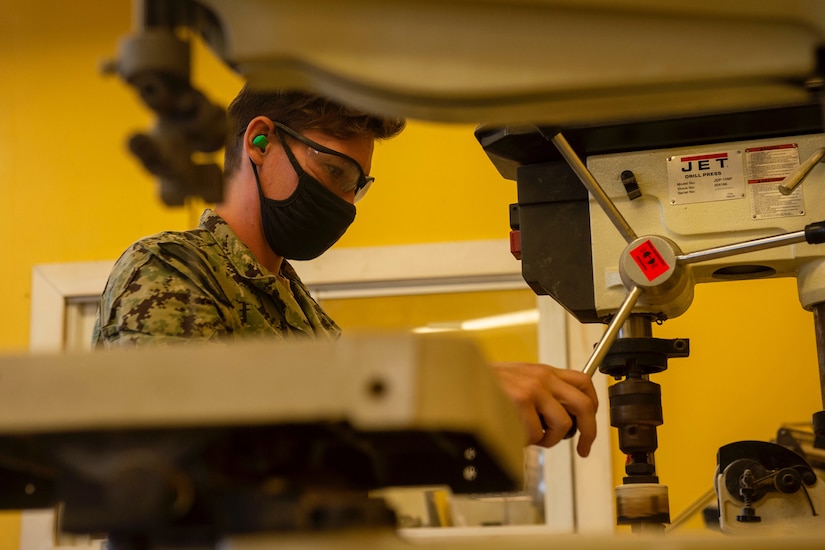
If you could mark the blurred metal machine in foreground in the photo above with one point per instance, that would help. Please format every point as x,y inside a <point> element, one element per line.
<point>188,446</point>
<point>490,61</point>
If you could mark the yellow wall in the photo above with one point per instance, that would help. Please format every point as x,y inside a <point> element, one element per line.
<point>71,193</point>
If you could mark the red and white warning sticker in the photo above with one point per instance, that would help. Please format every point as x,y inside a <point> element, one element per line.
<point>766,167</point>
<point>649,260</point>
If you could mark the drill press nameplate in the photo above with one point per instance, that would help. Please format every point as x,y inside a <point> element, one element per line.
<point>705,177</point>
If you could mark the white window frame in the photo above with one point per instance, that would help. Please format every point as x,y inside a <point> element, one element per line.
<point>581,501</point>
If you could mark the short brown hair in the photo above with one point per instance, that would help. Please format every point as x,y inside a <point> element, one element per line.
<point>301,110</point>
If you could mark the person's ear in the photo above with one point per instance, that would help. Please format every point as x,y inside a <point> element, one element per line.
<point>256,138</point>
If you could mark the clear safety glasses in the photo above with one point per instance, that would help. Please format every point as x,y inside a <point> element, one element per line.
<point>335,170</point>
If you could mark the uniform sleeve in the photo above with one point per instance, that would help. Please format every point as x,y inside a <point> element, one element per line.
<point>150,301</point>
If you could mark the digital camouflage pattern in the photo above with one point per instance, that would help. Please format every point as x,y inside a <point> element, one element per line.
<point>203,284</point>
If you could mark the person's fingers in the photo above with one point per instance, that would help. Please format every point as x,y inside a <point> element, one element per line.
<point>582,382</point>
<point>522,390</point>
<point>532,423</point>
<point>556,395</point>
<point>556,420</point>
<point>582,405</point>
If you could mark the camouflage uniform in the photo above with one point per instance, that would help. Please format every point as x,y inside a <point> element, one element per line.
<point>202,284</point>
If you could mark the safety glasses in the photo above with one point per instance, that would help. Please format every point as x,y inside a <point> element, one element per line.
<point>335,170</point>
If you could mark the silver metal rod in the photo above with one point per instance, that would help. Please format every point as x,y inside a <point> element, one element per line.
<point>741,248</point>
<point>612,331</point>
<point>795,178</point>
<point>593,186</point>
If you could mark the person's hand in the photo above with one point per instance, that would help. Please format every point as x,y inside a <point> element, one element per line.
<point>547,398</point>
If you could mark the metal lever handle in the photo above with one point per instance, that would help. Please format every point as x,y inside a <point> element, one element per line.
<point>629,235</point>
<point>612,331</point>
<point>590,183</point>
<point>607,340</point>
<point>814,233</point>
<point>795,178</point>
<point>593,187</point>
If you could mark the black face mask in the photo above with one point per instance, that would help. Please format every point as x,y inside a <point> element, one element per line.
<point>308,222</point>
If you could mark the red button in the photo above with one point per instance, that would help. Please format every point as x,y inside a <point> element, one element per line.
<point>515,244</point>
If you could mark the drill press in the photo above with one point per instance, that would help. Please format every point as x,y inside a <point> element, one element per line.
<point>648,210</point>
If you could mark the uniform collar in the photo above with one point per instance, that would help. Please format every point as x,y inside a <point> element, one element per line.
<point>238,253</point>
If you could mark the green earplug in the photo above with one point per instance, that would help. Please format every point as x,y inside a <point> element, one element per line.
<point>260,142</point>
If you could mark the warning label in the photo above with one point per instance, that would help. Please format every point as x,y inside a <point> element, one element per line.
<point>706,177</point>
<point>649,260</point>
<point>766,168</point>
